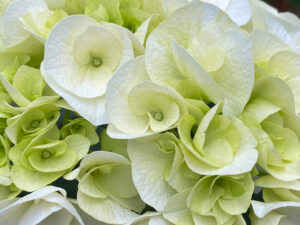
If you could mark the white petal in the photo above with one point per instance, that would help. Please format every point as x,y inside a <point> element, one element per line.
<point>12,27</point>
<point>91,109</point>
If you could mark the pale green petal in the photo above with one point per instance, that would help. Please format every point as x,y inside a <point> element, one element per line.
<point>102,10</point>
<point>203,196</point>
<point>283,97</point>
<point>270,182</point>
<point>118,182</point>
<point>285,212</point>
<point>238,10</point>
<point>113,145</point>
<point>91,109</point>
<point>244,157</point>
<point>98,158</point>
<point>190,69</point>
<point>272,218</point>
<point>262,11</point>
<point>16,96</point>
<point>239,204</point>
<point>156,100</point>
<point>285,66</point>
<point>148,164</point>
<point>30,181</point>
<point>79,144</point>
<point>29,82</point>
<point>88,187</point>
<point>265,45</point>
<point>54,163</point>
<point>83,127</point>
<point>146,28</point>
<point>117,108</point>
<point>176,209</point>
<point>106,210</point>
<point>13,30</point>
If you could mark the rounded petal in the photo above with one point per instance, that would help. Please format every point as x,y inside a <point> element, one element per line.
<point>92,109</point>
<point>13,31</point>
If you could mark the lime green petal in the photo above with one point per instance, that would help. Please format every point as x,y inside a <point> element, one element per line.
<point>201,200</point>
<point>31,181</point>
<point>47,162</point>
<point>78,144</point>
<point>29,82</point>
<point>88,186</point>
<point>118,182</point>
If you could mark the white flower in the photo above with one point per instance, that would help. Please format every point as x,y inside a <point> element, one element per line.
<point>275,213</point>
<point>238,10</point>
<point>81,55</point>
<point>45,206</point>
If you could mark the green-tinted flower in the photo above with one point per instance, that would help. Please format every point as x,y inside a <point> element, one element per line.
<point>44,206</point>
<point>102,10</point>
<point>127,13</point>
<point>82,127</point>
<point>214,200</point>
<point>96,53</point>
<point>270,115</point>
<point>138,107</point>
<point>32,121</point>
<point>40,160</point>
<point>223,197</point>
<point>106,190</point>
<point>274,57</point>
<point>15,36</point>
<point>158,168</point>
<point>220,145</point>
<point>4,162</point>
<point>200,43</point>
<point>263,14</point>
<point>275,190</point>
<point>29,82</point>
<point>40,22</point>
<point>275,213</point>
<point>10,62</point>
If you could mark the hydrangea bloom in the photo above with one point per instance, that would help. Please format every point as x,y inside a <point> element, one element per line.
<point>149,112</point>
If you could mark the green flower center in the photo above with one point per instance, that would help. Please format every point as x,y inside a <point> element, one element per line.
<point>158,116</point>
<point>96,61</point>
<point>46,154</point>
<point>35,123</point>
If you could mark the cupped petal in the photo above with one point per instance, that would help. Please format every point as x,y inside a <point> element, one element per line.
<point>275,212</point>
<point>14,33</point>
<point>232,63</point>
<point>244,157</point>
<point>265,45</point>
<point>148,165</point>
<point>32,180</point>
<point>119,87</point>
<point>92,109</point>
<point>106,210</point>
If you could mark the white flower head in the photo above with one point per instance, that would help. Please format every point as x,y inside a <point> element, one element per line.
<point>45,206</point>
<point>81,55</point>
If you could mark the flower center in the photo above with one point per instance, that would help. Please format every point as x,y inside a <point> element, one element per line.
<point>46,154</point>
<point>158,116</point>
<point>35,123</point>
<point>96,62</point>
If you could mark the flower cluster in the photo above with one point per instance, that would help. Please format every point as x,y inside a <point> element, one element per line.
<point>197,102</point>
